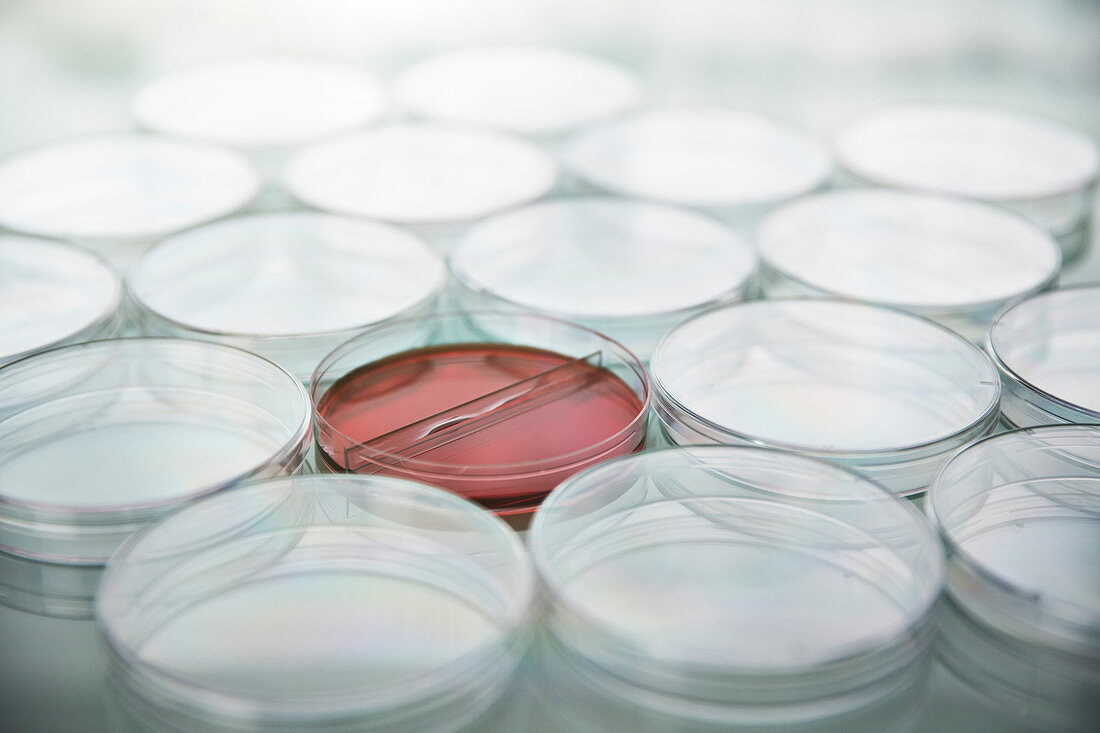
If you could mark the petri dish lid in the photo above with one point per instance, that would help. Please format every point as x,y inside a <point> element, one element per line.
<point>52,293</point>
<point>525,90</point>
<point>1049,345</point>
<point>592,257</point>
<point>258,102</point>
<point>313,600</point>
<point>419,173</point>
<point>1019,514</point>
<point>968,150</point>
<point>698,156</point>
<point>914,251</point>
<point>121,186</point>
<point>830,377</point>
<point>97,438</point>
<point>713,563</point>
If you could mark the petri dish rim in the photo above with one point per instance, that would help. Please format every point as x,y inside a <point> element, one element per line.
<point>556,586</point>
<point>479,289</point>
<point>757,441</point>
<point>517,470</point>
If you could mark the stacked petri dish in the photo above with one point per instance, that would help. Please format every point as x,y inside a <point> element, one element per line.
<point>497,407</point>
<point>435,178</point>
<point>733,164</point>
<point>875,389</point>
<point>628,269</point>
<point>533,91</point>
<point>1038,167</point>
<point>955,261</point>
<point>317,602</point>
<point>1018,513</point>
<point>117,193</point>
<point>98,438</point>
<point>289,286</point>
<point>53,293</point>
<point>723,588</point>
<point>1047,349</point>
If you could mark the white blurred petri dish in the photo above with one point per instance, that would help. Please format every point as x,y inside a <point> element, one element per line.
<point>1018,513</point>
<point>117,192</point>
<point>952,260</point>
<point>310,602</point>
<point>875,389</point>
<point>431,176</point>
<point>1038,167</point>
<point>526,90</point>
<point>628,269</point>
<point>289,286</point>
<point>53,293</point>
<point>733,587</point>
<point>1047,349</point>
<point>734,164</point>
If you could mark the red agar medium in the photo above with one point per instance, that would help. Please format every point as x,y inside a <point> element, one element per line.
<point>498,423</point>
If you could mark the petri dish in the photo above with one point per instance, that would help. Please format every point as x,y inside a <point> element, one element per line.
<point>98,438</point>
<point>290,286</point>
<point>1039,167</point>
<point>115,192</point>
<point>53,293</point>
<point>723,160</point>
<point>309,602</point>
<point>879,390</point>
<point>1018,513</point>
<point>1047,349</point>
<point>949,259</point>
<point>273,102</point>
<point>526,90</point>
<point>628,269</point>
<point>737,586</point>
<point>497,407</point>
<point>419,174</point>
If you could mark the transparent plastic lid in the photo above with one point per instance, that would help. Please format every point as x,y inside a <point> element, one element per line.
<point>1020,515</point>
<point>52,293</point>
<point>877,389</point>
<point>308,601</point>
<point>97,438</point>
<point>698,156</point>
<point>736,574</point>
<point>1048,351</point>
<point>121,187</point>
<point>525,90</point>
<point>419,173</point>
<point>290,286</point>
<point>257,102</point>
<point>629,269</point>
<point>950,259</point>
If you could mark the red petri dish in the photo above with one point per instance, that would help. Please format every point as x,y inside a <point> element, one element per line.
<point>498,422</point>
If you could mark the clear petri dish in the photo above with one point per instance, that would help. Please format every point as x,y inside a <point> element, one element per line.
<point>53,293</point>
<point>497,407</point>
<point>1018,513</point>
<point>118,191</point>
<point>289,286</point>
<point>875,389</point>
<point>737,586</point>
<point>1047,349</point>
<point>628,269</point>
<point>265,102</point>
<point>952,260</point>
<point>309,602</point>
<point>526,90</point>
<point>98,438</point>
<point>1040,168</point>
<point>419,174</point>
<point>727,161</point>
